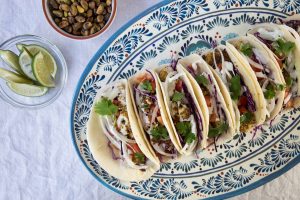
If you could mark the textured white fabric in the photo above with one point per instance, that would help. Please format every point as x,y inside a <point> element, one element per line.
<point>37,157</point>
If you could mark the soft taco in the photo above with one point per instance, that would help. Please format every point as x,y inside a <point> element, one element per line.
<point>148,105</point>
<point>266,71</point>
<point>114,139</point>
<point>247,101</point>
<point>283,45</point>
<point>221,124</point>
<point>183,110</point>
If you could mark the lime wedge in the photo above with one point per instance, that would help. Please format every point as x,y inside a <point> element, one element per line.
<point>13,77</point>
<point>25,60</point>
<point>42,71</point>
<point>34,49</point>
<point>27,90</point>
<point>11,59</point>
<point>20,47</point>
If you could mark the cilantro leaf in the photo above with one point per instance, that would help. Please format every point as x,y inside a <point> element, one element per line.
<point>145,106</point>
<point>177,96</point>
<point>218,130</point>
<point>246,49</point>
<point>189,138</point>
<point>146,85</point>
<point>105,107</point>
<point>270,92</point>
<point>246,117</point>
<point>201,80</point>
<point>283,48</point>
<point>138,158</point>
<point>235,87</point>
<point>185,129</point>
<point>159,132</point>
<point>287,77</point>
<point>280,87</point>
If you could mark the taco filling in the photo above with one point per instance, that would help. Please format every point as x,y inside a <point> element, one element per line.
<point>184,113</point>
<point>259,64</point>
<point>219,60</point>
<point>114,118</point>
<point>284,54</point>
<point>293,23</point>
<point>218,122</point>
<point>150,115</point>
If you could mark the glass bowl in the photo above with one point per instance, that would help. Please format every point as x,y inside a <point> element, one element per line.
<point>60,78</point>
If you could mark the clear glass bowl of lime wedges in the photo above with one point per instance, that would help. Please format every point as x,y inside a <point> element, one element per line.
<point>33,71</point>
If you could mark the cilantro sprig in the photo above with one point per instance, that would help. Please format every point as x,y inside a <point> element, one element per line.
<point>201,80</point>
<point>283,48</point>
<point>139,158</point>
<point>235,87</point>
<point>246,117</point>
<point>185,130</point>
<point>159,132</point>
<point>146,85</point>
<point>271,90</point>
<point>246,49</point>
<point>220,128</point>
<point>105,107</point>
<point>287,77</point>
<point>177,96</point>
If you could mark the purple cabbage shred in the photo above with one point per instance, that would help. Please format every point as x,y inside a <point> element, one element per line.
<point>144,93</point>
<point>195,113</point>
<point>251,104</point>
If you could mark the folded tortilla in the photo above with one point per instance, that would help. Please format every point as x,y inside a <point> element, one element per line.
<point>206,87</point>
<point>183,110</point>
<point>267,73</point>
<point>149,109</point>
<point>283,46</point>
<point>248,105</point>
<point>114,139</point>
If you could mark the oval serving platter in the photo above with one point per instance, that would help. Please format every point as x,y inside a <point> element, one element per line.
<point>176,29</point>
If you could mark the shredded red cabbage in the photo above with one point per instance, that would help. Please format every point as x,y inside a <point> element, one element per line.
<point>292,23</point>
<point>144,93</point>
<point>195,113</point>
<point>151,74</point>
<point>251,104</point>
<point>266,42</point>
<point>174,64</point>
<point>191,71</point>
<point>112,151</point>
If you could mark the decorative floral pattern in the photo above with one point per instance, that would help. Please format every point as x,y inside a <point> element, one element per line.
<point>174,30</point>
<point>232,179</point>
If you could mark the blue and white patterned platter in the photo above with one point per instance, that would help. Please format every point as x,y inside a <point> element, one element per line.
<point>176,29</point>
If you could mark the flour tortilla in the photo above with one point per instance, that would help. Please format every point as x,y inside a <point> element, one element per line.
<point>166,120</point>
<point>271,65</point>
<point>197,62</point>
<point>98,145</point>
<point>289,35</point>
<point>251,82</point>
<point>167,112</point>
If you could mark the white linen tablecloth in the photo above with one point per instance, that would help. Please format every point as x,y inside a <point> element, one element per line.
<point>37,157</point>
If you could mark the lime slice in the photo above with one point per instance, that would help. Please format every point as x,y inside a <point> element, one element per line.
<point>34,49</point>
<point>27,90</point>
<point>41,71</point>
<point>25,61</point>
<point>11,59</point>
<point>13,77</point>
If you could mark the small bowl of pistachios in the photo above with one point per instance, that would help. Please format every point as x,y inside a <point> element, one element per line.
<point>80,19</point>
